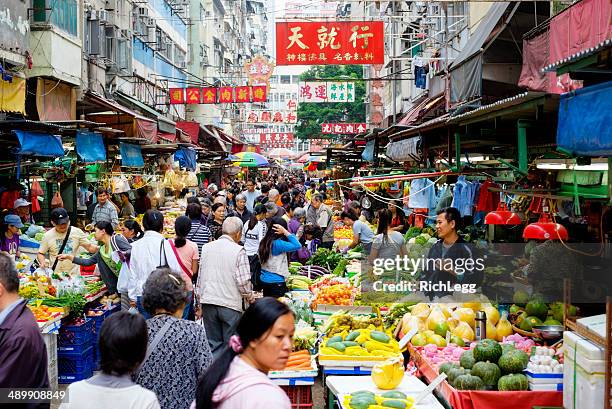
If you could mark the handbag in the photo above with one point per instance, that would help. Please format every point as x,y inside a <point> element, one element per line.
<point>162,250</point>
<point>62,247</point>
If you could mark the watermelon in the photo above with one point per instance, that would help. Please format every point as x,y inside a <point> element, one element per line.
<point>487,350</point>
<point>513,382</point>
<point>513,361</point>
<point>537,309</point>
<point>488,372</point>
<point>469,382</point>
<point>467,359</point>
<point>530,322</point>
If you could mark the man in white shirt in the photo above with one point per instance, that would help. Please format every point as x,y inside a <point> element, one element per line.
<point>149,253</point>
<point>251,195</point>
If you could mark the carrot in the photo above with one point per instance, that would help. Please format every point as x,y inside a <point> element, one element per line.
<point>306,365</point>
<point>302,352</point>
<point>297,361</point>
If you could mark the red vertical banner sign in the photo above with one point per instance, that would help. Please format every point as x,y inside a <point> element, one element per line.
<point>243,94</point>
<point>260,93</point>
<point>209,95</point>
<point>193,95</point>
<point>177,95</point>
<point>330,42</point>
<point>226,95</point>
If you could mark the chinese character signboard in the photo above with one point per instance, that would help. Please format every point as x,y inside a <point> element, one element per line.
<point>326,91</point>
<point>376,91</point>
<point>276,140</point>
<point>274,117</point>
<point>343,129</point>
<point>259,70</point>
<point>330,43</point>
<point>222,95</point>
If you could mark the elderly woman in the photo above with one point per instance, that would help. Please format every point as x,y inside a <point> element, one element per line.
<point>178,352</point>
<point>297,217</point>
<point>241,210</point>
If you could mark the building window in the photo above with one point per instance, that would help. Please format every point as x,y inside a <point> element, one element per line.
<point>61,13</point>
<point>285,79</point>
<point>295,79</point>
<point>274,79</point>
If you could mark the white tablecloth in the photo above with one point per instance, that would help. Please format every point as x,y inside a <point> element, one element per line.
<point>343,385</point>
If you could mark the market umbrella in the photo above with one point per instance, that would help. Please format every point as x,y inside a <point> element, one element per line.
<point>280,153</point>
<point>250,160</point>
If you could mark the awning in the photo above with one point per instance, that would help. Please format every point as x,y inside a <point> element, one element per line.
<point>584,121</point>
<point>215,140</point>
<point>191,128</point>
<point>55,101</point>
<point>13,95</point>
<point>170,137</point>
<point>39,144</point>
<point>420,110</point>
<point>90,147</point>
<point>166,125</point>
<point>137,104</point>
<point>131,155</point>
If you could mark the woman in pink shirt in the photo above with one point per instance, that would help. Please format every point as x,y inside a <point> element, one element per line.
<point>186,252</point>
<point>238,378</point>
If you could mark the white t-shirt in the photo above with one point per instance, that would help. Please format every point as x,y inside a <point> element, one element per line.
<point>83,395</point>
<point>252,238</point>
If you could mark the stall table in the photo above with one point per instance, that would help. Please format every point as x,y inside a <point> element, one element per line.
<point>345,385</point>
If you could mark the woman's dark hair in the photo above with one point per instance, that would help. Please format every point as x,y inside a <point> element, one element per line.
<point>141,192</point>
<point>215,207</point>
<point>153,220</point>
<point>384,222</point>
<point>452,214</point>
<point>258,209</point>
<point>264,188</point>
<point>182,226</point>
<point>285,199</point>
<point>348,215</point>
<point>124,194</point>
<point>265,247</point>
<point>254,324</point>
<point>312,230</point>
<point>123,343</point>
<point>193,199</point>
<point>106,226</point>
<point>194,211</point>
<point>135,227</point>
<point>164,290</point>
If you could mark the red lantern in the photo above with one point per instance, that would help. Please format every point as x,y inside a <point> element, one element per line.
<point>545,229</point>
<point>502,216</point>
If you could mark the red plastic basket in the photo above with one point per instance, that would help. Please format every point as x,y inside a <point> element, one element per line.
<point>300,396</point>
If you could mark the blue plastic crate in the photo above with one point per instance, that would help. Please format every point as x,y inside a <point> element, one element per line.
<point>76,334</point>
<point>71,378</point>
<point>76,364</point>
<point>96,357</point>
<point>71,351</point>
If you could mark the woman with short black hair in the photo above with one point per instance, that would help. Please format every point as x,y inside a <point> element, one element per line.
<point>218,216</point>
<point>123,347</point>
<point>179,352</point>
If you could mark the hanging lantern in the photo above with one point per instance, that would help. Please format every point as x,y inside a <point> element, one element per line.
<point>545,229</point>
<point>502,216</point>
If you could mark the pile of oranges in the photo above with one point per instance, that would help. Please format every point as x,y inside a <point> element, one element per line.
<point>339,294</point>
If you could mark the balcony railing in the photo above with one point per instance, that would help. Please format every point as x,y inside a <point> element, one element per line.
<point>62,14</point>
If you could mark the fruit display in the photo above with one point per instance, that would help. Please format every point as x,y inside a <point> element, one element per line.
<point>388,374</point>
<point>338,294</point>
<point>532,312</point>
<point>342,323</point>
<point>298,282</point>
<point>370,400</point>
<point>488,365</point>
<point>299,361</point>
<point>43,313</point>
<point>437,356</point>
<point>343,232</point>
<point>360,343</point>
<point>304,337</point>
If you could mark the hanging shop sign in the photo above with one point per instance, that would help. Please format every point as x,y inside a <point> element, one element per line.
<point>271,117</point>
<point>343,129</point>
<point>318,91</point>
<point>267,129</point>
<point>292,105</point>
<point>276,140</point>
<point>330,43</point>
<point>259,70</point>
<point>221,95</point>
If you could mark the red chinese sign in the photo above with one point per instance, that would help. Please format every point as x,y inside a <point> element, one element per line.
<point>266,117</point>
<point>343,129</point>
<point>259,70</point>
<point>276,140</point>
<point>177,95</point>
<point>223,95</point>
<point>330,43</point>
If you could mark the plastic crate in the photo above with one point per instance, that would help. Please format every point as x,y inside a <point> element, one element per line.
<point>96,357</point>
<point>300,396</point>
<point>76,363</point>
<point>71,378</point>
<point>76,334</point>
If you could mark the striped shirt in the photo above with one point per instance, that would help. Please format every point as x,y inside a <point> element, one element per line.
<point>105,213</point>
<point>199,234</point>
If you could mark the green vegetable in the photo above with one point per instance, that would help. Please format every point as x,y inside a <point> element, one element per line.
<point>488,372</point>
<point>352,336</point>
<point>340,268</point>
<point>394,395</point>
<point>487,350</point>
<point>468,382</point>
<point>513,382</point>
<point>336,338</point>
<point>326,258</point>
<point>394,403</point>
<point>513,361</point>
<point>380,336</point>
<point>467,360</point>
<point>350,344</point>
<point>338,346</point>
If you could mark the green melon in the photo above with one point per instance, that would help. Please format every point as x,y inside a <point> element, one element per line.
<point>551,321</point>
<point>528,323</point>
<point>537,309</point>
<point>487,350</point>
<point>488,372</point>
<point>513,382</point>
<point>514,361</point>
<point>467,360</point>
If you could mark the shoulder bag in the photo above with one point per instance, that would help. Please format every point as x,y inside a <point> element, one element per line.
<point>162,251</point>
<point>62,247</point>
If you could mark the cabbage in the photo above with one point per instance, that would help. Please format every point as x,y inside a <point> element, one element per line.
<point>421,240</point>
<point>427,236</point>
<point>433,240</point>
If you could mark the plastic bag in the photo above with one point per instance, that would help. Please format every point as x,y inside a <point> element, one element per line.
<point>57,201</point>
<point>36,189</point>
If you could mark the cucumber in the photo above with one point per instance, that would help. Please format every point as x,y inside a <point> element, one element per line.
<point>394,395</point>
<point>336,338</point>
<point>352,336</point>
<point>350,344</point>
<point>338,346</point>
<point>363,392</point>
<point>394,403</point>
<point>380,336</point>
<point>361,402</point>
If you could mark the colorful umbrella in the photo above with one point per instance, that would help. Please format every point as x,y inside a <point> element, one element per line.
<point>250,160</point>
<point>279,153</point>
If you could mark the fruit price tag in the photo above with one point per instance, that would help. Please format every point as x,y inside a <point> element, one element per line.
<point>406,338</point>
<point>430,388</point>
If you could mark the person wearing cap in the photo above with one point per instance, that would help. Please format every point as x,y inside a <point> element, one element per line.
<point>9,234</point>
<point>105,210</point>
<point>53,239</point>
<point>22,209</point>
